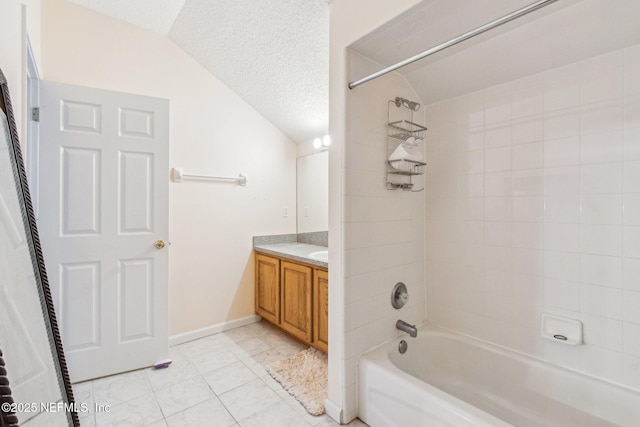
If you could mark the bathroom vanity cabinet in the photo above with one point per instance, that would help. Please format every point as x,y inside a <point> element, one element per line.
<point>293,296</point>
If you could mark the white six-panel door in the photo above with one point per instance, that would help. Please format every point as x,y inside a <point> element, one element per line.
<point>103,206</point>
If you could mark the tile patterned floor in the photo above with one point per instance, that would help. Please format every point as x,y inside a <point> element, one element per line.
<point>217,381</point>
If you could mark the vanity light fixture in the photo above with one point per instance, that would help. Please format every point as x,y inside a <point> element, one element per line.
<point>322,143</point>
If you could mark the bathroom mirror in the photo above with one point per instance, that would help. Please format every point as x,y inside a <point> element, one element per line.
<point>312,172</point>
<point>29,338</point>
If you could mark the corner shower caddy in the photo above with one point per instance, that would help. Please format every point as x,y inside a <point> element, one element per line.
<point>402,130</point>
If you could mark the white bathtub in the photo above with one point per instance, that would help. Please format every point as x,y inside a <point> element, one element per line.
<point>445,379</point>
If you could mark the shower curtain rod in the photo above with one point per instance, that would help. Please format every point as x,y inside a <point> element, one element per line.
<point>486,27</point>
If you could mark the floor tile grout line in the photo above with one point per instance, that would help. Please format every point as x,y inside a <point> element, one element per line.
<point>228,411</point>
<point>256,366</point>
<point>189,407</point>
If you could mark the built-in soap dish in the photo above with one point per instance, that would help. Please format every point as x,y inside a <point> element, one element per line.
<point>561,329</point>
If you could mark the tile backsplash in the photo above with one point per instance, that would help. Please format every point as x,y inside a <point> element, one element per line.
<point>532,205</point>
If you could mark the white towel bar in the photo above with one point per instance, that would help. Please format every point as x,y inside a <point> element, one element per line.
<point>177,174</point>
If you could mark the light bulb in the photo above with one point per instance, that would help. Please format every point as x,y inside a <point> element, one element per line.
<point>326,140</point>
<point>317,143</point>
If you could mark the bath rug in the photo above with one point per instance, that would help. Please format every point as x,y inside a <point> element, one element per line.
<point>304,376</point>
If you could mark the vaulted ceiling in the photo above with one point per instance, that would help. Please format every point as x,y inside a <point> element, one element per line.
<point>272,53</point>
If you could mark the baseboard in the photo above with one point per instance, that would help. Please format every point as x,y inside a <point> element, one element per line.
<point>213,329</point>
<point>333,410</point>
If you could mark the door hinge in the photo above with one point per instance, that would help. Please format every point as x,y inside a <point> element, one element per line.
<point>35,114</point>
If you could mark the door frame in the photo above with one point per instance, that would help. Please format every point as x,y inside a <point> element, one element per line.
<point>32,127</point>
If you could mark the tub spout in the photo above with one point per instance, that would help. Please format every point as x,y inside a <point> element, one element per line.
<point>410,329</point>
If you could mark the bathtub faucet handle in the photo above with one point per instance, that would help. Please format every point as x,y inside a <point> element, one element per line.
<point>408,328</point>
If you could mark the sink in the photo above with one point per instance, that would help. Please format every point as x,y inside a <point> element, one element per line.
<point>320,255</point>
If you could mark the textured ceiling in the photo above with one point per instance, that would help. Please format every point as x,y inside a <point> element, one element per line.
<point>559,34</point>
<point>272,53</point>
<point>154,15</point>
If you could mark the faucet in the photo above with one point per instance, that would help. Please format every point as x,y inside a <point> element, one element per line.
<point>410,329</point>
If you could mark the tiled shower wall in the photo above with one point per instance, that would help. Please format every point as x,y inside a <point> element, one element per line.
<point>533,205</point>
<point>383,229</point>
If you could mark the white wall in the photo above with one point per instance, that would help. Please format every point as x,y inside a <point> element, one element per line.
<point>17,18</point>
<point>213,131</point>
<point>533,205</point>
<point>349,20</point>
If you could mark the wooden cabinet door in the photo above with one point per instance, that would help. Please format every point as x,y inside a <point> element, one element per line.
<point>295,297</point>
<point>268,287</point>
<point>321,310</point>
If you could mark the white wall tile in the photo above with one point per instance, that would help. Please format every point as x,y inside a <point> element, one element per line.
<point>562,151</point>
<point>472,209</point>
<point>528,261</point>
<point>497,208</point>
<point>562,294</point>
<point>632,112</point>
<point>601,270</point>
<point>631,339</point>
<point>497,136</point>
<point>631,306</point>
<point>601,301</point>
<point>598,361</point>
<point>631,274</point>
<point>384,230</point>
<point>497,159</point>
<point>528,235</point>
<point>601,209</point>
<point>631,81</point>
<point>527,130</point>
<point>631,174</point>
<point>562,208</point>
<point>498,281</point>
<point>631,371</point>
<point>631,144</point>
<point>631,55</point>
<point>562,180</point>
<point>601,147</point>
<point>601,118</point>
<point>497,233</point>
<point>529,182</point>
<point>475,139</point>
<point>475,161</point>
<point>497,184</point>
<point>601,178</point>
<point>562,237</point>
<point>631,242</point>
<point>474,186</point>
<point>562,124</point>
<point>562,265</point>
<point>498,257</point>
<point>602,331</point>
<point>527,156</point>
<point>601,239</point>
<point>528,208</point>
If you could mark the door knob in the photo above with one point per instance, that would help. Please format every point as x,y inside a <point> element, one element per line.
<point>159,244</point>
